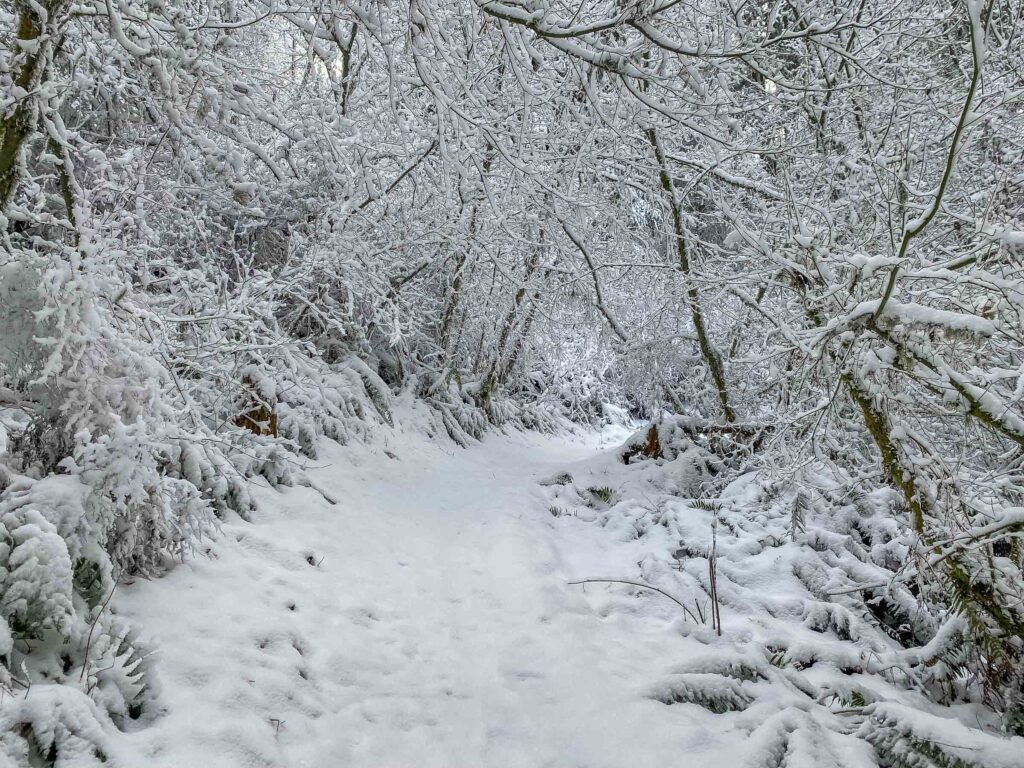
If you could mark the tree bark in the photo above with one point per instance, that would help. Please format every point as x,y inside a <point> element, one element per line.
<point>707,350</point>
<point>20,125</point>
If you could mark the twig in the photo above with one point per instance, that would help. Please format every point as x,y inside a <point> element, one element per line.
<point>327,497</point>
<point>858,588</point>
<point>716,615</point>
<point>92,629</point>
<point>700,611</point>
<point>277,723</point>
<point>639,584</point>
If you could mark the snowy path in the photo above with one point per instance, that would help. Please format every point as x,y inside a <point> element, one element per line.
<point>424,620</point>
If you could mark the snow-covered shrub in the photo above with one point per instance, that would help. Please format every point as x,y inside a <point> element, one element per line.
<point>116,670</point>
<point>905,737</point>
<point>715,693</point>
<point>19,301</point>
<point>462,419</point>
<point>57,725</point>
<point>36,577</point>
<point>823,619</point>
<point>55,583</point>
<point>152,497</point>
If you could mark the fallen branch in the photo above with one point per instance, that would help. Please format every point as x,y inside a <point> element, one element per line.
<point>643,586</point>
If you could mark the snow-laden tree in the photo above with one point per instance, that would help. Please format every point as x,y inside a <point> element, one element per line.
<point>232,228</point>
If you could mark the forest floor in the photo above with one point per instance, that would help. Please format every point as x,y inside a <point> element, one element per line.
<point>415,609</point>
<point>425,619</point>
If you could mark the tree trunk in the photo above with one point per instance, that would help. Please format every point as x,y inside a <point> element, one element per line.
<point>707,350</point>
<point>20,125</point>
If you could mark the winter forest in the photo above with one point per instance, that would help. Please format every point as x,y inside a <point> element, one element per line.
<point>512,383</point>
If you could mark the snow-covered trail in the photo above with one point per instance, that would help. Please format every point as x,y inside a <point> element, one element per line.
<point>423,620</point>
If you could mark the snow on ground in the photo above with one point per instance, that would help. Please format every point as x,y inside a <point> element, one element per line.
<point>424,620</point>
<point>804,674</point>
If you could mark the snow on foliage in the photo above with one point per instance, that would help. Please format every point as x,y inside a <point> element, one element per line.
<point>228,231</point>
<point>826,654</point>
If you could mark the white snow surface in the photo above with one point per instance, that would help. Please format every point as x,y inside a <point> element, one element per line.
<point>424,620</point>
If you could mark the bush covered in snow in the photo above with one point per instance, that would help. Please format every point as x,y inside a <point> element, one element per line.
<point>230,230</point>
<point>829,631</point>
